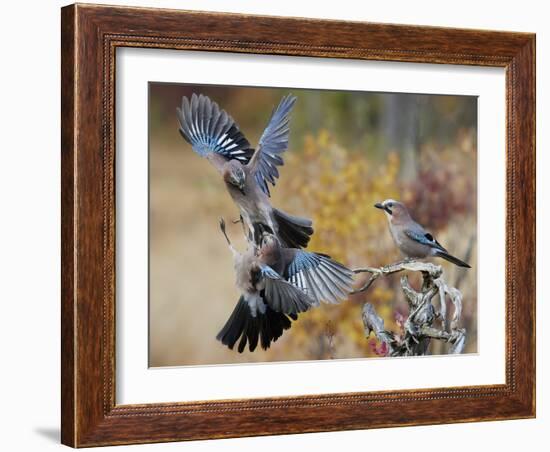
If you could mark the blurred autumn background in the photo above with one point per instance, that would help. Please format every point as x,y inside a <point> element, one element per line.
<point>347,151</point>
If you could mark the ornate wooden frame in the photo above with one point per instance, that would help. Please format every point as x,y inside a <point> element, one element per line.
<point>90,35</point>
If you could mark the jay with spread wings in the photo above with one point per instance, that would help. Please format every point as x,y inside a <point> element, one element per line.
<point>277,284</point>
<point>213,134</point>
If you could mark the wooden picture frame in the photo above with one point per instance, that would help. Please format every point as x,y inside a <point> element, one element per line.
<point>90,36</point>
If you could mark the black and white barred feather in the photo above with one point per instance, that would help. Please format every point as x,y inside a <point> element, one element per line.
<point>320,276</point>
<point>208,128</point>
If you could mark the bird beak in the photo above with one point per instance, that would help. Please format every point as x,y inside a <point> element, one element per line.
<point>382,207</point>
<point>241,182</point>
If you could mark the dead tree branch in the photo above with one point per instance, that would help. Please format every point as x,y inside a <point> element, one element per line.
<point>418,329</point>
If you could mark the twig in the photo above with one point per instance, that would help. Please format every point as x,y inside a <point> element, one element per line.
<point>432,269</point>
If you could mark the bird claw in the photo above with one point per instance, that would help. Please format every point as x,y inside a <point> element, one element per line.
<point>222,227</point>
<point>240,220</point>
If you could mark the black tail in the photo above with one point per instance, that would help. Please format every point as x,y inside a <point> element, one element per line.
<point>265,328</point>
<point>452,259</point>
<point>294,231</point>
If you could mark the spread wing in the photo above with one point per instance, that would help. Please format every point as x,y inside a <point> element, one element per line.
<point>425,238</point>
<point>272,144</point>
<point>209,129</point>
<point>320,276</point>
<point>281,296</point>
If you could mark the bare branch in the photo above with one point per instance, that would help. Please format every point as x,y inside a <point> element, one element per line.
<point>418,327</point>
<point>424,267</point>
<point>375,324</point>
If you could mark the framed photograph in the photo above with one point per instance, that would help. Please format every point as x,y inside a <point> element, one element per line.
<point>282,225</point>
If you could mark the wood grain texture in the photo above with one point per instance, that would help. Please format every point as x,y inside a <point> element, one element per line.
<point>68,310</point>
<point>90,36</point>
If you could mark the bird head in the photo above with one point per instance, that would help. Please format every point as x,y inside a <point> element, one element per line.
<point>269,241</point>
<point>393,209</point>
<point>234,174</point>
<point>269,251</point>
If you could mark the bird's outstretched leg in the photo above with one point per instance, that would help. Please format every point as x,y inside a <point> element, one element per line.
<point>222,227</point>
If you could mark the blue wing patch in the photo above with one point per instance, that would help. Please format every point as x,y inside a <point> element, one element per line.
<point>425,238</point>
<point>208,128</point>
<point>268,272</point>
<point>303,260</point>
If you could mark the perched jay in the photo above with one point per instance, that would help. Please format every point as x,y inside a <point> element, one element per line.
<point>276,285</point>
<point>214,134</point>
<point>411,238</point>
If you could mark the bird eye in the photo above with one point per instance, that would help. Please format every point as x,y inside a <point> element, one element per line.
<point>390,204</point>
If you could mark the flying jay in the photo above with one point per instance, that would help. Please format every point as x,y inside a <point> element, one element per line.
<point>277,284</point>
<point>213,134</point>
<point>412,239</point>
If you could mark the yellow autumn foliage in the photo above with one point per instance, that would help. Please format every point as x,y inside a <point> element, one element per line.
<point>337,189</point>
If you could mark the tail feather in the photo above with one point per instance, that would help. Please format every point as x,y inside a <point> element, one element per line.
<point>452,259</point>
<point>235,325</point>
<point>295,232</point>
<point>264,328</point>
